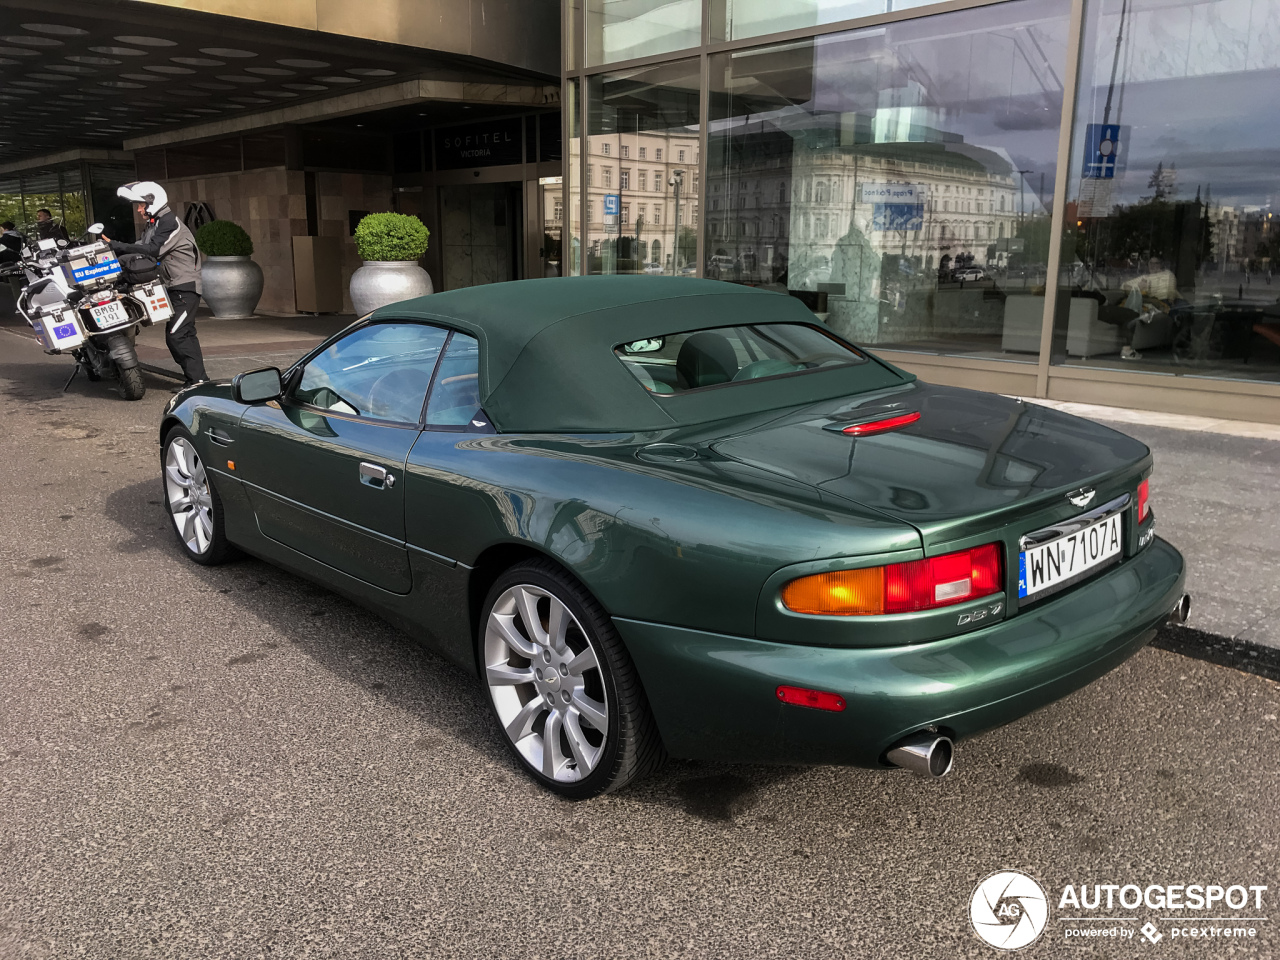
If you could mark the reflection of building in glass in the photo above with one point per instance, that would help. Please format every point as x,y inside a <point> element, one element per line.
<point>638,169</point>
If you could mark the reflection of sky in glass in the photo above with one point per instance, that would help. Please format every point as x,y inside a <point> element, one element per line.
<point>1199,86</point>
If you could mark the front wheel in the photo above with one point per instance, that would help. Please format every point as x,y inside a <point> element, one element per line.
<point>132,386</point>
<point>562,685</point>
<point>193,502</point>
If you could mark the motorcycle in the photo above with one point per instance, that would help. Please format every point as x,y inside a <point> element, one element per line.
<point>78,300</point>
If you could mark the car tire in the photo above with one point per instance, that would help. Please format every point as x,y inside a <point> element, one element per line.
<point>567,681</point>
<point>192,501</point>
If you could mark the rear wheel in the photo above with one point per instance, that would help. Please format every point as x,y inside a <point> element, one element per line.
<point>132,386</point>
<point>562,686</point>
<point>193,502</point>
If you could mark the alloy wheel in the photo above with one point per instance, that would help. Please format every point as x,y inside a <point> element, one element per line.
<point>545,680</point>
<point>186,487</point>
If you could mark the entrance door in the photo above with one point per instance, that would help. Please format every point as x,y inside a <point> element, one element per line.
<point>482,225</point>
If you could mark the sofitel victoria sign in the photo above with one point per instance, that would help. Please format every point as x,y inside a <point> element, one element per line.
<point>486,144</point>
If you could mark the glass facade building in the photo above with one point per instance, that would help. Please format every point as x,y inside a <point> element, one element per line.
<point>1069,199</point>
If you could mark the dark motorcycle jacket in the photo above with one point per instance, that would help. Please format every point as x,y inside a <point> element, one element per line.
<point>167,240</point>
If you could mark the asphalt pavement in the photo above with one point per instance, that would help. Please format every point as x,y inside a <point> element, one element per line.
<point>232,762</point>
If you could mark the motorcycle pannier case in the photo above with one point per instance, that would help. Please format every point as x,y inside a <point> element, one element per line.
<point>58,332</point>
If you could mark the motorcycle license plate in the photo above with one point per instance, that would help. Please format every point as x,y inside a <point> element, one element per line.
<point>109,314</point>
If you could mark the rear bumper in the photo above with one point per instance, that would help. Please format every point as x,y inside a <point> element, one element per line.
<point>713,696</point>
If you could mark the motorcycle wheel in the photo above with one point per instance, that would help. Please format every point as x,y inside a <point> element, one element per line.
<point>132,386</point>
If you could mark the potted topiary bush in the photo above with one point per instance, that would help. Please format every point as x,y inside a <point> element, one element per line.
<point>390,245</point>
<point>231,283</point>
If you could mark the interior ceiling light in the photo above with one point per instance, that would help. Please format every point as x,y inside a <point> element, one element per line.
<point>308,87</point>
<point>199,61</point>
<point>68,68</point>
<point>304,64</point>
<point>49,76</point>
<point>231,52</point>
<point>371,72</point>
<point>165,68</point>
<point>143,77</point>
<point>270,71</point>
<point>120,51</point>
<point>278,94</point>
<point>7,62</point>
<point>205,85</point>
<point>239,78</point>
<point>337,79</point>
<point>100,61</point>
<point>121,84</point>
<point>147,41</point>
<point>57,29</point>
<point>250,100</point>
<point>18,52</point>
<point>188,92</point>
<point>25,41</point>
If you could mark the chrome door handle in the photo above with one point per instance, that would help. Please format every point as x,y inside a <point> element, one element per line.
<point>218,437</point>
<point>377,477</point>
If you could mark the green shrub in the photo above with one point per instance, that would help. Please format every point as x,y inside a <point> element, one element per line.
<point>391,236</point>
<point>222,238</point>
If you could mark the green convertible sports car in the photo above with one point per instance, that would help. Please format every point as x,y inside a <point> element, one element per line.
<point>662,516</point>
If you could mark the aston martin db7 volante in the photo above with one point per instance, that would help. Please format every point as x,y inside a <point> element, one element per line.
<point>674,517</point>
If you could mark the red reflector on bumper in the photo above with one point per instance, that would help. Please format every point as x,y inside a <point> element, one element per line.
<point>880,426</point>
<point>817,699</point>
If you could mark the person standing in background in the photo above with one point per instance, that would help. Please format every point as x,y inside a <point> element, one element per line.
<point>48,228</point>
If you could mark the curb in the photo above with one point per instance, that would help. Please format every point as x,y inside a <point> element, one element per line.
<point>1224,651</point>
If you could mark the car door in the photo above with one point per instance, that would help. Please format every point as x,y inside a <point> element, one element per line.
<point>323,466</point>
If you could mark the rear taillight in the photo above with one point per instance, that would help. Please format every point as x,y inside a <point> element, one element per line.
<point>883,425</point>
<point>899,587</point>
<point>1142,501</point>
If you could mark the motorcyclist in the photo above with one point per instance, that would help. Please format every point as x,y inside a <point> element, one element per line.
<point>167,240</point>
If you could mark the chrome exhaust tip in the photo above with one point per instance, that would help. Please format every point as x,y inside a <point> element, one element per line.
<point>927,754</point>
<point>1181,610</point>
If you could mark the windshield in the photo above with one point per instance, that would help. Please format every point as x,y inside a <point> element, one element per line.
<point>685,362</point>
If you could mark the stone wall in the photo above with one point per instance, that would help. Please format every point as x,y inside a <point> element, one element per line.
<point>271,205</point>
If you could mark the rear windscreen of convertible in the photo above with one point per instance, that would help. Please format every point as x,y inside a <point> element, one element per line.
<point>683,362</point>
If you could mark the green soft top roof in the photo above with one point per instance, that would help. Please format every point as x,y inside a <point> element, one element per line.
<point>546,351</point>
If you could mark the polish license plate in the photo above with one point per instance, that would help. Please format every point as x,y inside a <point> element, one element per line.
<point>109,314</point>
<point>1070,557</point>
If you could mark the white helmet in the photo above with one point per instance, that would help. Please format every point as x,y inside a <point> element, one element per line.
<point>144,191</point>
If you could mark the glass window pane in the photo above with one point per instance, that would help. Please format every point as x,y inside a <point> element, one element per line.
<point>754,18</point>
<point>380,371</point>
<point>897,179</point>
<point>696,359</point>
<point>1170,236</point>
<point>455,399</point>
<point>625,29</point>
<point>640,218</point>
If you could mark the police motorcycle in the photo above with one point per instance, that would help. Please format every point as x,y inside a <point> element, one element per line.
<point>80,299</point>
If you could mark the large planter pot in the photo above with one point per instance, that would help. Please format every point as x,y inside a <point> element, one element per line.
<point>231,286</point>
<point>380,282</point>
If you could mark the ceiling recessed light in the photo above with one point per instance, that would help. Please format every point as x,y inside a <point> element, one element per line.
<point>143,77</point>
<point>231,52</point>
<point>120,51</point>
<point>49,76</point>
<point>32,41</point>
<point>147,41</point>
<point>278,94</point>
<point>68,68</point>
<point>239,78</point>
<point>214,86</point>
<point>304,64</point>
<point>337,79</point>
<point>199,61</point>
<point>57,29</point>
<point>18,52</point>
<point>102,61</point>
<point>250,100</point>
<point>371,72</point>
<point>165,68</point>
<point>309,87</point>
<point>121,84</point>
<point>270,71</point>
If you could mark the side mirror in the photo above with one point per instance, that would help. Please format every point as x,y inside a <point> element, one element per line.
<point>96,229</point>
<point>256,386</point>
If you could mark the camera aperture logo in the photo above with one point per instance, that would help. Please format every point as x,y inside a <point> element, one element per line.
<point>1009,910</point>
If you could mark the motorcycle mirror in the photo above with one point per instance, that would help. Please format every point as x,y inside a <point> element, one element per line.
<point>96,228</point>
